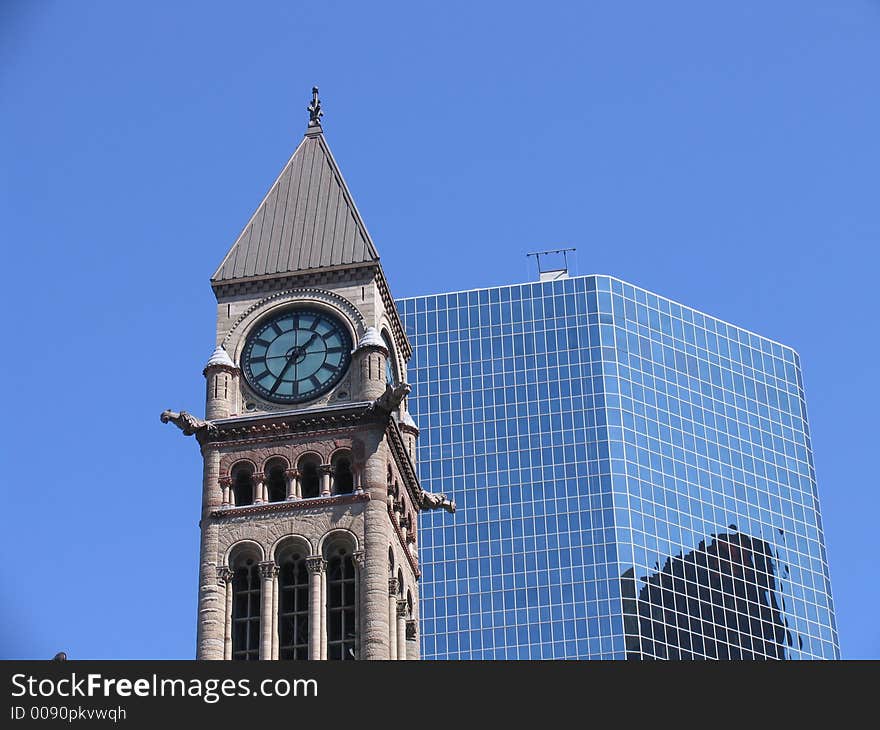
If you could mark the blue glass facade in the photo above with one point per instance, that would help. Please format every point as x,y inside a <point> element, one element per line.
<point>634,479</point>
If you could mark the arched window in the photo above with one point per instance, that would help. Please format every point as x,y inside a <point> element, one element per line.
<point>341,614</point>
<point>276,482</point>
<point>243,484</point>
<point>310,480</point>
<point>390,364</point>
<point>343,479</point>
<point>246,609</point>
<point>293,605</point>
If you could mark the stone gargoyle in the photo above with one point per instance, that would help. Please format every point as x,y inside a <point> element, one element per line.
<point>188,423</point>
<point>437,501</point>
<point>391,399</point>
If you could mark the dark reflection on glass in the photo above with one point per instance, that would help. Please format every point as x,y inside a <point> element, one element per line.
<point>716,602</point>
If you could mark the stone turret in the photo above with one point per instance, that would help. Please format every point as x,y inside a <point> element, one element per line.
<point>410,432</point>
<point>221,383</point>
<point>369,358</point>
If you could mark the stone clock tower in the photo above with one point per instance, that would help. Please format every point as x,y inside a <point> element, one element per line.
<point>310,497</point>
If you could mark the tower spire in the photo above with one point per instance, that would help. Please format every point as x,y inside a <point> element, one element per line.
<point>314,109</point>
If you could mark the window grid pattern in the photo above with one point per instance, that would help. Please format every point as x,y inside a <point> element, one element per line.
<point>293,609</point>
<point>246,613</point>
<point>634,479</point>
<point>341,610</point>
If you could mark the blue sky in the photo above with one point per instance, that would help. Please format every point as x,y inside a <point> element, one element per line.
<point>725,155</point>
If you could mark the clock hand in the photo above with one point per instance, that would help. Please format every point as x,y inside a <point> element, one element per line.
<point>308,342</point>
<point>299,347</point>
<point>291,360</point>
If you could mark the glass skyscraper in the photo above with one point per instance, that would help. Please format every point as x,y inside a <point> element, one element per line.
<point>634,479</point>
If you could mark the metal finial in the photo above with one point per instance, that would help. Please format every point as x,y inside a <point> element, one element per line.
<point>315,111</point>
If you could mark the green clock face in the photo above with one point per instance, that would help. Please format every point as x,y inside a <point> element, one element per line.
<point>296,356</point>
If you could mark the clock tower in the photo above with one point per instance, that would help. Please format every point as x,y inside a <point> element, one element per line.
<point>310,496</point>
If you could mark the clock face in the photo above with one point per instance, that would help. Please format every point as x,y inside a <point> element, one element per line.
<point>296,356</point>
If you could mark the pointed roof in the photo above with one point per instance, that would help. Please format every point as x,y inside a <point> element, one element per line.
<point>220,357</point>
<point>371,338</point>
<point>308,220</point>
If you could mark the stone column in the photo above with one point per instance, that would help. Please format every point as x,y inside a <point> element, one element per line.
<point>212,602</point>
<point>259,482</point>
<point>325,470</point>
<point>360,560</point>
<point>275,612</point>
<point>357,474</point>
<point>292,483</point>
<point>224,579</point>
<point>412,639</point>
<point>377,538</point>
<point>402,610</point>
<point>226,491</point>
<point>268,570</point>
<point>392,617</point>
<point>315,565</point>
<point>323,611</point>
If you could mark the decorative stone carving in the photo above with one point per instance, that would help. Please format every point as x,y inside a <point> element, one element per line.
<point>412,627</point>
<point>314,109</point>
<point>306,294</point>
<point>315,564</point>
<point>391,399</point>
<point>436,501</point>
<point>360,559</point>
<point>224,574</point>
<point>189,424</point>
<point>268,570</point>
<point>402,608</point>
<point>392,586</point>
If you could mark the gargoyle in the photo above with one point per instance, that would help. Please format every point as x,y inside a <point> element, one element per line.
<point>392,397</point>
<point>437,501</point>
<point>186,422</point>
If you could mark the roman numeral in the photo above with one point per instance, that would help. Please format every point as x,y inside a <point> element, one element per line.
<point>314,381</point>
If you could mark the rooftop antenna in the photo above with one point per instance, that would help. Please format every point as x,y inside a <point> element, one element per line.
<point>557,272</point>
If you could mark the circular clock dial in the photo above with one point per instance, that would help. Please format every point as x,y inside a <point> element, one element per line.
<point>296,356</point>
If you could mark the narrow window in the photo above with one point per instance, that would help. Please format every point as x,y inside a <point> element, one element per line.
<point>246,611</point>
<point>293,608</point>
<point>276,483</point>
<point>390,365</point>
<point>243,485</point>
<point>343,479</point>
<point>310,480</point>
<point>341,632</point>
